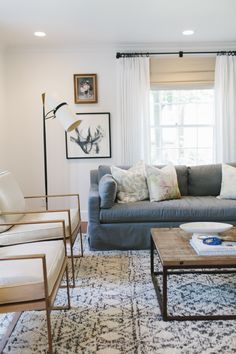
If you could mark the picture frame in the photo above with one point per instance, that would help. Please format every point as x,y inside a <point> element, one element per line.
<point>91,139</point>
<point>85,88</point>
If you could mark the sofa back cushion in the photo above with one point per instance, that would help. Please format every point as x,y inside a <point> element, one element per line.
<point>182,177</point>
<point>105,169</point>
<point>204,180</point>
<point>11,199</point>
<point>181,170</point>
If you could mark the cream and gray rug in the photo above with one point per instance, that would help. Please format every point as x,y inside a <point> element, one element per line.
<point>115,310</point>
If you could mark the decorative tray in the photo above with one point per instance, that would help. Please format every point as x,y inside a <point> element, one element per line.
<point>208,228</point>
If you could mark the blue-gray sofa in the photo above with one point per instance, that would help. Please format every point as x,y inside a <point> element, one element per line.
<point>126,226</point>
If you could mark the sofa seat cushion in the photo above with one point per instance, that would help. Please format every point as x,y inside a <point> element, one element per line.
<point>22,280</point>
<point>187,208</point>
<point>36,232</point>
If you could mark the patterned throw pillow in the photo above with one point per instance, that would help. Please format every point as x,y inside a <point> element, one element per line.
<point>228,190</point>
<point>162,183</point>
<point>131,183</point>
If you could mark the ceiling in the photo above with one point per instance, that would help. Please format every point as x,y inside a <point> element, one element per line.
<point>118,22</point>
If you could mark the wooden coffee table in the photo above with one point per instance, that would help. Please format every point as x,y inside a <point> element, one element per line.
<point>178,257</point>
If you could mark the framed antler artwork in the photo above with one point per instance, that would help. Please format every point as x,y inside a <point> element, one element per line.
<point>91,139</point>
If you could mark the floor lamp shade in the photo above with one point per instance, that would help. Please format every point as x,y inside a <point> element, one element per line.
<point>61,111</point>
<point>66,118</point>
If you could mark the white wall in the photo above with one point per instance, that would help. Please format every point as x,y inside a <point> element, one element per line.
<point>28,74</point>
<point>2,117</point>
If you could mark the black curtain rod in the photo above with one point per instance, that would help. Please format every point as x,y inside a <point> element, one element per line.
<point>180,53</point>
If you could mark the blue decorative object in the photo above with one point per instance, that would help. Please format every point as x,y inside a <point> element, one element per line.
<point>212,241</point>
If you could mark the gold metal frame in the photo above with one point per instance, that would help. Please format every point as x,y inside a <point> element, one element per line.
<point>45,303</point>
<point>92,77</point>
<point>72,234</point>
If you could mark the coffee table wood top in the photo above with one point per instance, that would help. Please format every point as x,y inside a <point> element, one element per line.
<point>174,249</point>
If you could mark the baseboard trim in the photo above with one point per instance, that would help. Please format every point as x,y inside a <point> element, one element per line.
<point>84,215</point>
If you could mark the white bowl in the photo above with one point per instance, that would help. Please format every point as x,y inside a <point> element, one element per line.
<point>205,227</point>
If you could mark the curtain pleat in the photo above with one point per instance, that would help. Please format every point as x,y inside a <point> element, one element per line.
<point>133,106</point>
<point>225,108</point>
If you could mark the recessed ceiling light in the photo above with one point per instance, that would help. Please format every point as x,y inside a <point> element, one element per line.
<point>40,34</point>
<point>188,32</point>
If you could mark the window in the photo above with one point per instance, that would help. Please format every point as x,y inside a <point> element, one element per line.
<point>182,126</point>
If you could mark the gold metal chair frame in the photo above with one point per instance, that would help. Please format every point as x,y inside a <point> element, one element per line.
<point>45,303</point>
<point>72,235</point>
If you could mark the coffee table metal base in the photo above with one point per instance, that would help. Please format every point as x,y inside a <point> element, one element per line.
<point>177,270</point>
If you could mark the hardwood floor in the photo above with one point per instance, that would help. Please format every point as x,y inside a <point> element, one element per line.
<point>84,226</point>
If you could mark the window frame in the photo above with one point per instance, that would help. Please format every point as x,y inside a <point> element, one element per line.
<point>180,126</point>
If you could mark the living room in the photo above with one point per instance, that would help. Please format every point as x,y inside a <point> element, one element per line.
<point>83,39</point>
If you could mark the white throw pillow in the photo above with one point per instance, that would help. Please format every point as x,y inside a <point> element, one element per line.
<point>228,183</point>
<point>131,183</point>
<point>162,183</point>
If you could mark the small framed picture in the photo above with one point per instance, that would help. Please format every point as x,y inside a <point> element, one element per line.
<point>91,139</point>
<point>85,88</point>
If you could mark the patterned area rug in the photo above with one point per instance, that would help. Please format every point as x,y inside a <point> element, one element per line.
<point>115,310</point>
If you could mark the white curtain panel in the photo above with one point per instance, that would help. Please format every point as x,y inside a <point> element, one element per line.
<point>225,108</point>
<point>133,107</point>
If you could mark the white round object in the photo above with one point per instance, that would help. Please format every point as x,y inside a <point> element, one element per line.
<point>205,227</point>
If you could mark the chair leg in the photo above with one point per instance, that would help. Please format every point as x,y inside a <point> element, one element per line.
<point>72,263</point>
<point>81,242</point>
<point>68,286</point>
<point>48,313</point>
<point>72,256</point>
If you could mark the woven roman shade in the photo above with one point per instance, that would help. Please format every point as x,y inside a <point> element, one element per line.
<point>186,72</point>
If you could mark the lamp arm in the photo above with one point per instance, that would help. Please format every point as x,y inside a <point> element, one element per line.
<point>49,117</point>
<point>54,111</point>
<point>49,112</point>
<point>59,106</point>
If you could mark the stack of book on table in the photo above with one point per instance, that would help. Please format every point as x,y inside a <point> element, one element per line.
<point>202,249</point>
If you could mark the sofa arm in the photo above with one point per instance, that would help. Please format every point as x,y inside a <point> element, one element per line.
<point>94,204</point>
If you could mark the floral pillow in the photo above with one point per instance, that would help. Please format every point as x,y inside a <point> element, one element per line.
<point>131,183</point>
<point>162,183</point>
